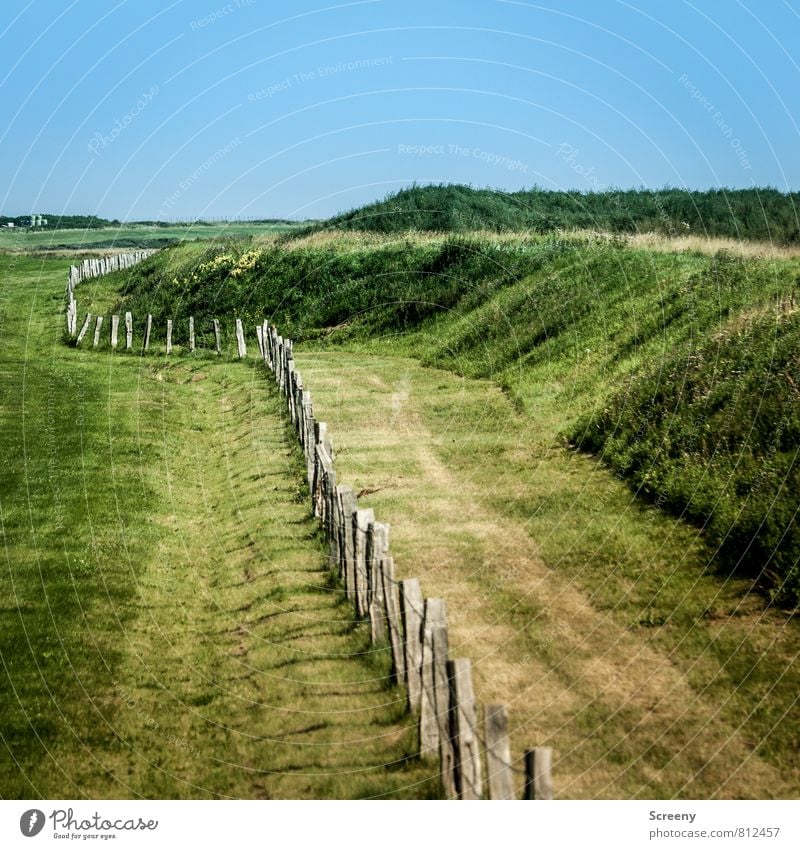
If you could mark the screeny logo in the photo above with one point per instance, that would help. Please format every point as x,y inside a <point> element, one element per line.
<point>31,822</point>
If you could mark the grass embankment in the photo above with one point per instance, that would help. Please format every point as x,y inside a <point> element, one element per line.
<point>607,332</point>
<point>167,629</point>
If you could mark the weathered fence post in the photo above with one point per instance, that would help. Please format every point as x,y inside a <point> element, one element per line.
<point>148,327</point>
<point>114,330</point>
<point>499,775</point>
<point>97,327</point>
<point>538,778</point>
<point>392,606</point>
<point>128,331</point>
<point>169,335</point>
<point>242,348</point>
<point>377,550</point>
<point>347,545</point>
<point>411,611</point>
<point>463,723</point>
<point>191,333</point>
<point>361,522</point>
<point>218,341</point>
<point>84,328</point>
<point>428,725</point>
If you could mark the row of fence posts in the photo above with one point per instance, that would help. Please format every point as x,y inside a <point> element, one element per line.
<point>147,333</point>
<point>89,268</point>
<point>439,689</point>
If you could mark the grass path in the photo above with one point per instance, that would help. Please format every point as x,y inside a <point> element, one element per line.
<point>166,625</point>
<point>599,620</point>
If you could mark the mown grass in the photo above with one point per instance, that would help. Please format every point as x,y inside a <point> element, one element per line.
<point>599,619</point>
<point>168,628</point>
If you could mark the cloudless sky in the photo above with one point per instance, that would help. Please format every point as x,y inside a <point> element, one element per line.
<point>200,108</point>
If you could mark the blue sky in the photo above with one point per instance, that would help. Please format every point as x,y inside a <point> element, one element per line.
<point>202,108</point>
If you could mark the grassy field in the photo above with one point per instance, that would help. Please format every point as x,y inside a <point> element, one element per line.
<point>167,627</point>
<point>126,236</point>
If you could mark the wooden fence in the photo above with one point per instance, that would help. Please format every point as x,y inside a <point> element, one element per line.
<point>89,268</point>
<point>467,743</point>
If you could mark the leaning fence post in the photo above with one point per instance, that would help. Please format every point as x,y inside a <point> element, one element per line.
<point>97,327</point>
<point>114,330</point>
<point>538,778</point>
<point>148,327</point>
<point>463,723</point>
<point>499,776</point>
<point>84,328</point>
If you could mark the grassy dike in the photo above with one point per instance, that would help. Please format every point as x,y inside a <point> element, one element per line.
<point>166,625</point>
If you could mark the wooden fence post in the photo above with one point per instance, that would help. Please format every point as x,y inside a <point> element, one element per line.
<point>411,611</point>
<point>242,348</point>
<point>84,328</point>
<point>148,328</point>
<point>128,331</point>
<point>434,718</point>
<point>191,333</point>
<point>347,545</point>
<point>114,330</point>
<point>218,342</point>
<point>260,339</point>
<point>169,335</point>
<point>361,522</point>
<point>463,723</point>
<point>392,606</point>
<point>377,550</point>
<point>97,327</point>
<point>499,775</point>
<point>538,778</point>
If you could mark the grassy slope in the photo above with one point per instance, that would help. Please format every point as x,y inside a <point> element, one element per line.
<point>578,316</point>
<point>166,628</point>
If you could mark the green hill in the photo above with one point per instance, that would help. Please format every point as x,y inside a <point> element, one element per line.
<point>759,213</point>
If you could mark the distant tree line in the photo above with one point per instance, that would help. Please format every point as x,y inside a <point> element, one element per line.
<point>60,222</point>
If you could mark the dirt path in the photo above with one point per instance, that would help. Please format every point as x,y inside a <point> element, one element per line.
<point>629,710</point>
